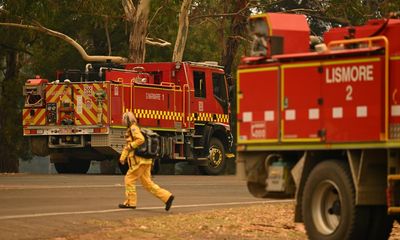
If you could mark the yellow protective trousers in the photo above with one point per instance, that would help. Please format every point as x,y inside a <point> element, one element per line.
<point>143,173</point>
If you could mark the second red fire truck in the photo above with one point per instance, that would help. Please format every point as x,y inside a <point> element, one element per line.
<point>76,118</point>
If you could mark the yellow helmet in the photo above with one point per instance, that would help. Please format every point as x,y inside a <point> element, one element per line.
<point>128,119</point>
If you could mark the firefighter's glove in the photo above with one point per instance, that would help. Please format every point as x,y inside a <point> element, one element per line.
<point>124,155</point>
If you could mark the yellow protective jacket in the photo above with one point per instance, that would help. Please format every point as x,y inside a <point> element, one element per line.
<point>134,138</point>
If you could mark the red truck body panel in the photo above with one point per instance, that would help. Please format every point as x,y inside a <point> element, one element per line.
<point>259,116</point>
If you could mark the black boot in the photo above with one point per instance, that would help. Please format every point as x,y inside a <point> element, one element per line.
<point>168,204</point>
<point>121,205</point>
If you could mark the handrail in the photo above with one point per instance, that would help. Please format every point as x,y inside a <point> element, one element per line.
<point>131,95</point>
<point>171,84</point>
<point>369,40</point>
<point>168,84</point>
<point>184,104</point>
<point>186,85</point>
<point>123,100</point>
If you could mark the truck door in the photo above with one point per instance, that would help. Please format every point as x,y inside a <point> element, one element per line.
<point>300,102</point>
<point>258,105</point>
<point>198,102</point>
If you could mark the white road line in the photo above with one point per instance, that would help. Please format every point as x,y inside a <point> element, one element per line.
<point>141,208</point>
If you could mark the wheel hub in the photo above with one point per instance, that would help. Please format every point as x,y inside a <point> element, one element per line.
<point>335,208</point>
<point>326,204</point>
<point>215,157</point>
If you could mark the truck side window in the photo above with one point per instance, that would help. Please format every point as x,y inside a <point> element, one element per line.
<point>199,79</point>
<point>219,90</point>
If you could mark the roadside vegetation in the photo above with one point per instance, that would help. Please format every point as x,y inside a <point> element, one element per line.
<point>273,221</point>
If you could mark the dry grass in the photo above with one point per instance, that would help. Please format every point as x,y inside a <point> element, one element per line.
<point>263,221</point>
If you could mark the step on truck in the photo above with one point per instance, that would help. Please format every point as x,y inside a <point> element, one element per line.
<point>77,117</point>
<point>320,121</point>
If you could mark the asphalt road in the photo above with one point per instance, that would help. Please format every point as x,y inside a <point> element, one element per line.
<point>49,206</point>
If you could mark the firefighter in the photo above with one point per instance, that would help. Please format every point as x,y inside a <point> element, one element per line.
<point>139,167</point>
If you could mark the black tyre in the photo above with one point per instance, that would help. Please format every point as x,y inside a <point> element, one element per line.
<point>216,163</point>
<point>62,167</point>
<point>39,146</point>
<point>78,166</point>
<point>328,204</point>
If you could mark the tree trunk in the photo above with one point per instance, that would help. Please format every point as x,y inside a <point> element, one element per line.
<point>138,16</point>
<point>237,29</point>
<point>9,161</point>
<point>182,31</point>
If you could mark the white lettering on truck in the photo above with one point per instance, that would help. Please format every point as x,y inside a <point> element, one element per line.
<point>347,74</point>
<point>153,96</point>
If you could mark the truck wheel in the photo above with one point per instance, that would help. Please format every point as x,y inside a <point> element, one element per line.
<point>39,146</point>
<point>216,163</point>
<point>62,167</point>
<point>328,205</point>
<point>78,166</point>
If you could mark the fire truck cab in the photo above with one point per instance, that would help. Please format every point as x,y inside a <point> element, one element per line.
<point>78,117</point>
<point>321,121</point>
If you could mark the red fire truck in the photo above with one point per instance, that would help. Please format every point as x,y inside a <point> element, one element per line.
<point>321,122</point>
<point>77,117</point>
